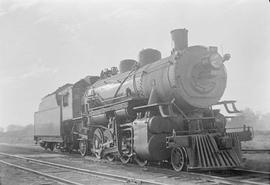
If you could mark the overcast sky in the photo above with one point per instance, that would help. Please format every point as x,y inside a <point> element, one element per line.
<point>45,44</point>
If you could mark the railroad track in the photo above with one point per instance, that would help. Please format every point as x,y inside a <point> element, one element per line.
<point>53,167</point>
<point>241,176</point>
<point>229,177</point>
<point>256,150</point>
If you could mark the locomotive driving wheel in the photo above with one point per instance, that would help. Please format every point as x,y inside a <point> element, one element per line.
<point>179,159</point>
<point>98,141</point>
<point>108,139</point>
<point>83,147</point>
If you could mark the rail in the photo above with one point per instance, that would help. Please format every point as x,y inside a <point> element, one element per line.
<point>236,176</point>
<point>109,176</point>
<point>256,150</point>
<point>243,176</point>
<point>41,174</point>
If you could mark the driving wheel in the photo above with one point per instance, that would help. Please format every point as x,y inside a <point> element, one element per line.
<point>98,141</point>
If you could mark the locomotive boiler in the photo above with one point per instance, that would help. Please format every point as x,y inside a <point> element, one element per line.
<point>154,109</point>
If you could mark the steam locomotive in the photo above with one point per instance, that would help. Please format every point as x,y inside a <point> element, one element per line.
<point>151,110</point>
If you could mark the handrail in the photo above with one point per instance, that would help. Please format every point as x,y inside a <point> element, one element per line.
<point>121,84</point>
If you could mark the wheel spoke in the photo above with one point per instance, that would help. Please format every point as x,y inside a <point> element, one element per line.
<point>97,142</point>
<point>178,159</point>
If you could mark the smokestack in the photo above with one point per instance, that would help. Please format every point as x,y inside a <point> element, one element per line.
<point>179,39</point>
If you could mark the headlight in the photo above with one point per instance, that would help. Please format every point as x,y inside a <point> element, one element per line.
<point>215,60</point>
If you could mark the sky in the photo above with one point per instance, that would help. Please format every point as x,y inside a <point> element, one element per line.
<point>45,44</point>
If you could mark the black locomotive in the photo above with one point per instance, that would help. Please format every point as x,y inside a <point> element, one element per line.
<point>156,109</point>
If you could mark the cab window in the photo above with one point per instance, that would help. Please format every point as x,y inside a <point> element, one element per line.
<point>65,100</point>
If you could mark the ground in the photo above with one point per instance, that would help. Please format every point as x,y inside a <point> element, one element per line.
<point>10,176</point>
<point>258,161</point>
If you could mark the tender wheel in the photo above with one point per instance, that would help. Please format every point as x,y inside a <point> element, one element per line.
<point>140,161</point>
<point>98,141</point>
<point>70,148</point>
<point>46,145</point>
<point>56,147</point>
<point>42,144</point>
<point>178,159</point>
<point>83,147</point>
<point>51,146</point>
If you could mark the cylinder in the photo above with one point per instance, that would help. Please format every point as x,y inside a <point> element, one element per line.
<point>148,56</point>
<point>148,146</point>
<point>99,119</point>
<point>126,65</point>
<point>159,125</point>
<point>179,39</point>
